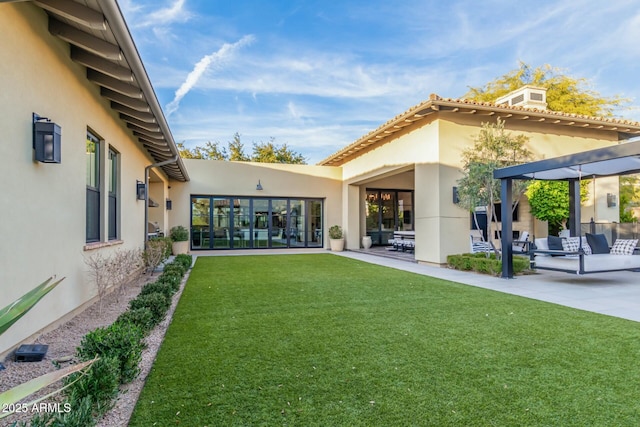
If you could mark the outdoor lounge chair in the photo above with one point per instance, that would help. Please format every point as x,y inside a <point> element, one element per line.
<point>477,244</point>
<point>521,246</point>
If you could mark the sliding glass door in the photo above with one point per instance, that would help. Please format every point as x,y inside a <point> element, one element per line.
<point>259,223</point>
<point>387,211</point>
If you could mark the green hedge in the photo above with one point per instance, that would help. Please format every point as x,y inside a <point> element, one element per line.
<point>184,259</point>
<point>480,263</point>
<point>156,302</point>
<point>120,340</point>
<point>119,347</point>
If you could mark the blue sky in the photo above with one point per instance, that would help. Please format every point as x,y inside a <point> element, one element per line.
<point>317,75</point>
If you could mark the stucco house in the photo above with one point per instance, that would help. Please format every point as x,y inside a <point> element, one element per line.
<point>77,193</point>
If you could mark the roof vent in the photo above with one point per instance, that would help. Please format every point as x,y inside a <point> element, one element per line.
<point>527,97</point>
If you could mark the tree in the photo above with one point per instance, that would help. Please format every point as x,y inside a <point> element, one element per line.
<point>564,93</point>
<point>210,151</point>
<point>629,196</point>
<point>236,149</point>
<point>549,201</point>
<point>493,148</point>
<point>264,152</point>
<point>269,152</point>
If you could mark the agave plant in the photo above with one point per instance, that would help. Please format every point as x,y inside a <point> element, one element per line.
<point>10,315</point>
<point>14,311</point>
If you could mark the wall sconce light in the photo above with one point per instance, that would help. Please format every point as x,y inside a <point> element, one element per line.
<point>259,186</point>
<point>169,204</point>
<point>612,200</point>
<point>47,137</point>
<point>141,190</point>
<point>456,198</point>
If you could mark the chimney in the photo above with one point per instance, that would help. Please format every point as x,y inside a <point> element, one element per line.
<point>526,97</point>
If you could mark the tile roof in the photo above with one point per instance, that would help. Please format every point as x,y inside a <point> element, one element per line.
<point>436,104</point>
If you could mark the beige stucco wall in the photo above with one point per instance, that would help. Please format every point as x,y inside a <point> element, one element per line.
<point>43,205</point>
<point>434,152</point>
<point>214,177</point>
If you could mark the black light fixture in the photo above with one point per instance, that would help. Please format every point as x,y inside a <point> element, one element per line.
<point>47,137</point>
<point>141,190</point>
<point>259,186</point>
<point>169,204</point>
<point>456,197</point>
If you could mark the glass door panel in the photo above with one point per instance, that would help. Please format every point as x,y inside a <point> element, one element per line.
<point>405,211</point>
<point>221,222</point>
<point>388,208</point>
<point>200,228</point>
<point>279,233</point>
<point>314,231</point>
<point>297,224</point>
<point>241,223</point>
<point>260,232</point>
<point>372,212</point>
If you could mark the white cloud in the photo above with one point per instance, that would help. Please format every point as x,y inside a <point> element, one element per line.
<point>194,76</point>
<point>176,12</point>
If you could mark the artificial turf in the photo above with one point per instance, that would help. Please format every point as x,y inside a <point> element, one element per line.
<point>322,340</point>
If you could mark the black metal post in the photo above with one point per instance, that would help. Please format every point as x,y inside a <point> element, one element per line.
<point>574,207</point>
<point>506,196</point>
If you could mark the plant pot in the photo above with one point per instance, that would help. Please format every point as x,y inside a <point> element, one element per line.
<point>337,245</point>
<point>366,242</point>
<point>178,248</point>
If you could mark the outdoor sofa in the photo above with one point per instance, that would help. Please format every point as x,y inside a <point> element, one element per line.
<point>582,255</point>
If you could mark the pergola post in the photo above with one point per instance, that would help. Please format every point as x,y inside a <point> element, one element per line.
<point>574,207</point>
<point>506,197</point>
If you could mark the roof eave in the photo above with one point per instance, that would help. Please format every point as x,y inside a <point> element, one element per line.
<point>625,129</point>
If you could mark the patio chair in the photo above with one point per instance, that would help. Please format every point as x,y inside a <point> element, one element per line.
<point>477,244</point>
<point>521,246</point>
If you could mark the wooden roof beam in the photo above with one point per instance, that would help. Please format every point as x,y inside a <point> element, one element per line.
<point>75,12</point>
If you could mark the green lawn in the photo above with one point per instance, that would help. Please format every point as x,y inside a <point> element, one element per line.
<point>321,340</point>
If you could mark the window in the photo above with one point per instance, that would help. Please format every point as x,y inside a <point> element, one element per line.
<point>246,222</point>
<point>93,188</point>
<point>114,179</point>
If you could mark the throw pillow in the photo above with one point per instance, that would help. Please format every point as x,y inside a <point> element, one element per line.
<point>624,246</point>
<point>555,243</point>
<point>598,243</point>
<point>571,244</point>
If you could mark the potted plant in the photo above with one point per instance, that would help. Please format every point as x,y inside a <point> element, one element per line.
<point>336,238</point>
<point>180,240</point>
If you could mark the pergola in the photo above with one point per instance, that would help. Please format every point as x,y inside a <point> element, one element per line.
<point>621,159</point>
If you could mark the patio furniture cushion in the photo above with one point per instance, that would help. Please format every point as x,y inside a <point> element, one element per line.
<point>592,263</point>
<point>598,243</point>
<point>572,244</point>
<point>624,246</point>
<point>554,243</point>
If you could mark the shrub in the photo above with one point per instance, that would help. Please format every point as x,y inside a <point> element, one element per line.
<point>480,263</point>
<point>335,232</point>
<point>156,302</point>
<point>140,317</point>
<point>172,279</point>
<point>179,234</point>
<point>99,384</point>
<point>154,254</point>
<point>122,341</point>
<point>176,267</point>
<point>164,288</point>
<point>80,415</point>
<point>185,259</point>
